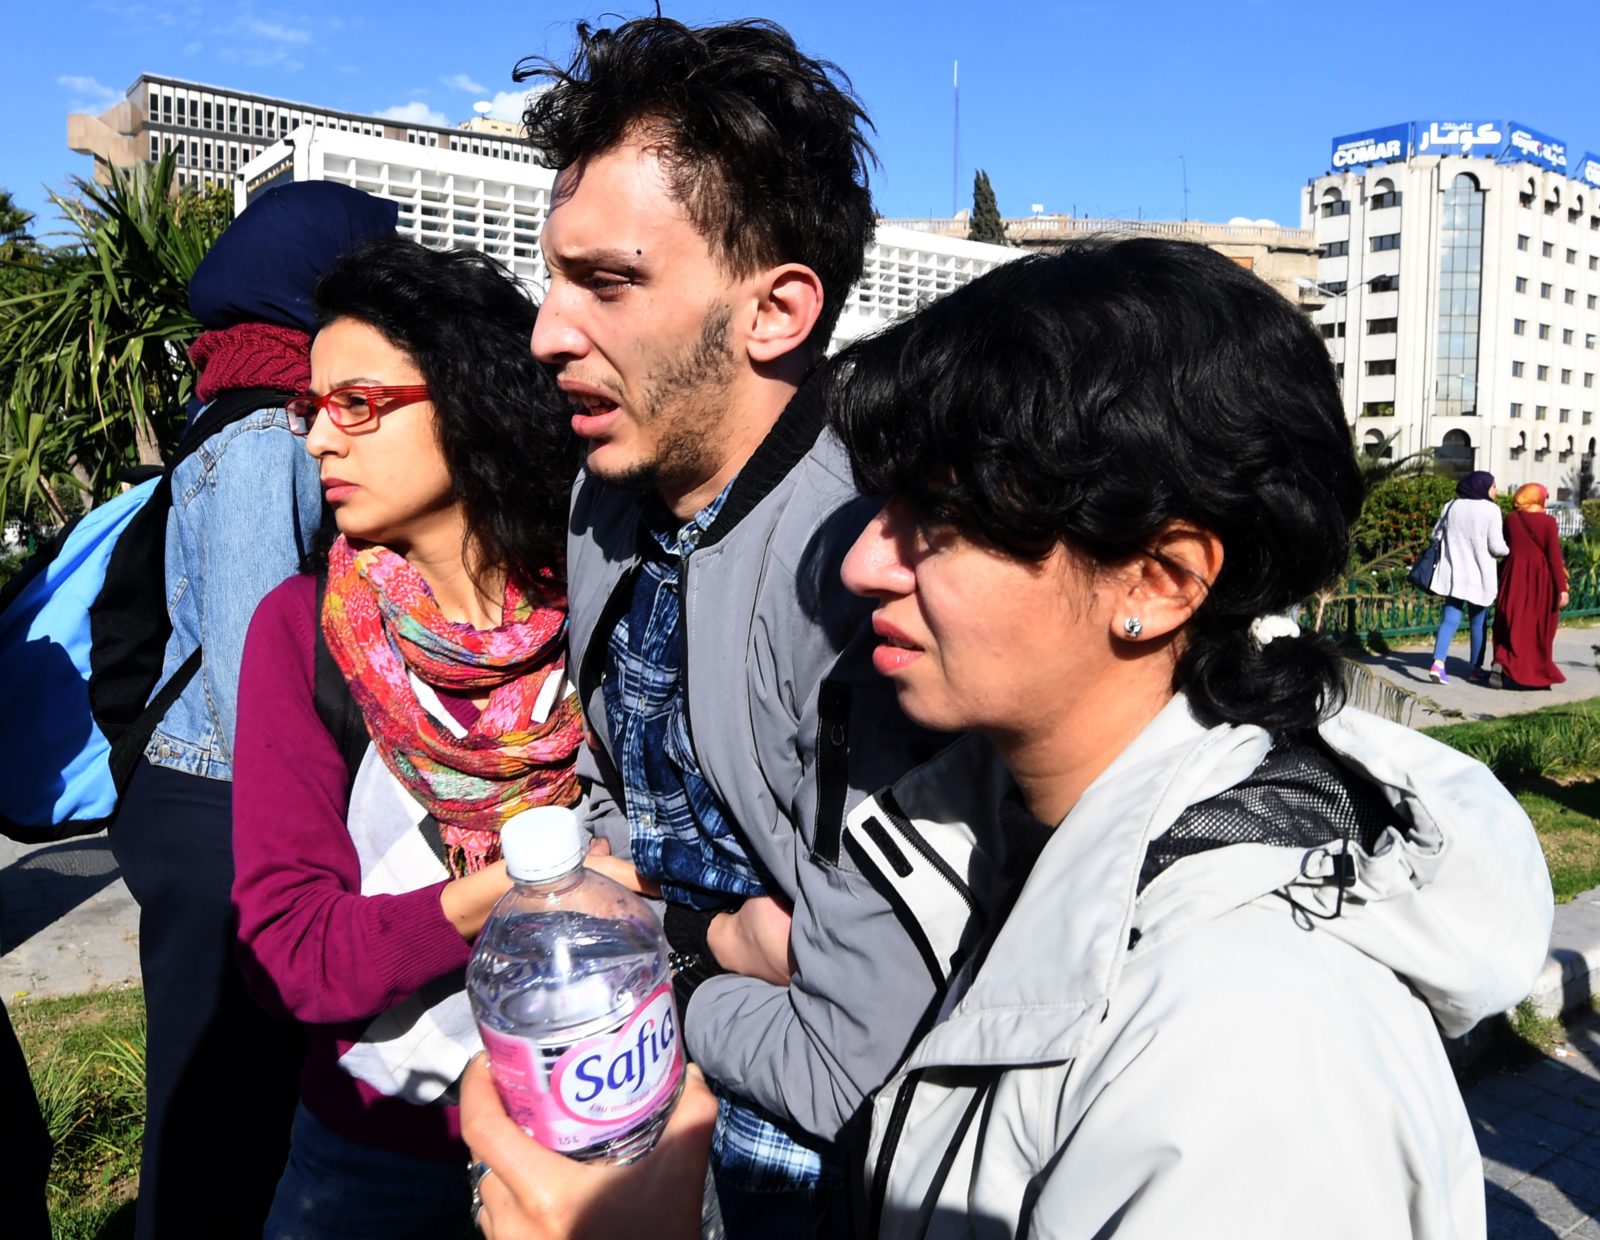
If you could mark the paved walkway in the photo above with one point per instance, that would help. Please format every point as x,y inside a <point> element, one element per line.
<point>67,922</point>
<point>1576,650</point>
<point>1539,1130</point>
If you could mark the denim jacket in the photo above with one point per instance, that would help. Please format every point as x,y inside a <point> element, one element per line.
<point>244,509</point>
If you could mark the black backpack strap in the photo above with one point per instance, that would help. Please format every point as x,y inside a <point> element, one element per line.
<point>335,707</point>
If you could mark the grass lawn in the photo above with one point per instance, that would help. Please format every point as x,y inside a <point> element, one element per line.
<point>86,1054</point>
<point>1550,759</point>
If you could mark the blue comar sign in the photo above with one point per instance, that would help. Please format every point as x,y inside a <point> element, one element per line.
<point>1537,148</point>
<point>1373,146</point>
<point>1588,169</point>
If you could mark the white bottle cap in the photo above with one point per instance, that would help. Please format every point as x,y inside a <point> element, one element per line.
<point>542,843</point>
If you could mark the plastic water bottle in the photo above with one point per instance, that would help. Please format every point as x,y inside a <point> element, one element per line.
<point>570,987</point>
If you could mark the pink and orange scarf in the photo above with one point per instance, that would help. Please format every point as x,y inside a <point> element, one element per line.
<point>381,622</point>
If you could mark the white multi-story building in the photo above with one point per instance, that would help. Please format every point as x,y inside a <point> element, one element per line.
<point>454,199</point>
<point>1461,262</point>
<point>212,131</point>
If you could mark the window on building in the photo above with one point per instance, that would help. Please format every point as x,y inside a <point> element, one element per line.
<point>1386,241</point>
<point>1569,296</point>
<point>1335,287</point>
<point>1548,249</point>
<point>1519,327</point>
<point>1594,223</point>
<point>1522,241</point>
<point>1378,409</point>
<point>155,147</point>
<point>1588,416</point>
<point>1541,373</point>
<point>1544,291</point>
<point>1382,367</point>
<point>1589,301</point>
<point>1572,256</point>
<point>1516,370</point>
<point>1588,378</point>
<point>1563,415</point>
<point>1382,327</point>
<point>1516,408</point>
<point>1381,284</point>
<point>1594,262</point>
<point>1522,284</point>
<point>1566,375</point>
<point>1544,331</point>
<point>1540,412</point>
<point>1389,198</point>
<point>1550,206</point>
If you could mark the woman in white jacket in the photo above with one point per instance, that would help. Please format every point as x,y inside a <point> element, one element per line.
<point>1471,532</point>
<point>1201,987</point>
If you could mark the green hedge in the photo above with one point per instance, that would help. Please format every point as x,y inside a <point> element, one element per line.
<point>1398,515</point>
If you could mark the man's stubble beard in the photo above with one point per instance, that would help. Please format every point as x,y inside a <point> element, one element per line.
<point>684,404</point>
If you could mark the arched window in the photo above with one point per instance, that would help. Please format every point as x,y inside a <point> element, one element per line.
<point>1378,446</point>
<point>1521,446</point>
<point>1384,195</point>
<point>1455,453</point>
<point>1333,203</point>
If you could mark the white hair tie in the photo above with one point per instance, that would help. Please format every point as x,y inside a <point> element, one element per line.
<point>1267,629</point>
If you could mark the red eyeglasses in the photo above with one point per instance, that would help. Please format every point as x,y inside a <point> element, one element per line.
<point>351,407</point>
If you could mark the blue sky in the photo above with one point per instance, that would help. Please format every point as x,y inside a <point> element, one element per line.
<point>1082,107</point>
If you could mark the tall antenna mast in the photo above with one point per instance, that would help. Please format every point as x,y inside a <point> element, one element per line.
<point>955,144</point>
<point>1183,164</point>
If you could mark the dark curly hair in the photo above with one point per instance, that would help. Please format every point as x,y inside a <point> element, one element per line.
<point>1088,398</point>
<point>763,145</point>
<point>466,322</point>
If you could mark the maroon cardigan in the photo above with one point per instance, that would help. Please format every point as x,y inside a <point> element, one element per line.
<point>311,944</point>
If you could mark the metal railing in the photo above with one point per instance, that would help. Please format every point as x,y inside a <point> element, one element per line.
<point>1390,605</point>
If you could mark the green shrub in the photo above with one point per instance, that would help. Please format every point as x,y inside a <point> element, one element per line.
<point>1591,513</point>
<point>1398,515</point>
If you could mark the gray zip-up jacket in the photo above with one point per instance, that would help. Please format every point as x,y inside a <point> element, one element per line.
<point>1246,1047</point>
<point>791,727</point>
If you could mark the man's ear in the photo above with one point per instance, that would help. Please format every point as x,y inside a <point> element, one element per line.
<point>788,302</point>
<point>1164,587</point>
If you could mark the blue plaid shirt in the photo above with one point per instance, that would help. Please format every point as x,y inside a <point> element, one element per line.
<point>680,832</point>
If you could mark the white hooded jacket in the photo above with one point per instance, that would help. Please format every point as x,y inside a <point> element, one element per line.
<point>1233,1051</point>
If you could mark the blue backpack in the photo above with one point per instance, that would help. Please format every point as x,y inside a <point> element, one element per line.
<point>83,634</point>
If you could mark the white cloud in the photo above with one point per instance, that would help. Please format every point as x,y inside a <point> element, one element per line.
<point>508,105</point>
<point>460,81</point>
<point>274,32</point>
<point>414,113</point>
<point>91,96</point>
<point>189,49</point>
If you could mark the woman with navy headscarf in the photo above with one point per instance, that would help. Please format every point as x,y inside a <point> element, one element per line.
<point>244,509</point>
<point>1471,537</point>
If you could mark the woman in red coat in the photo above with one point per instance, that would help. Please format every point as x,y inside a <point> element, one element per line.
<point>1533,590</point>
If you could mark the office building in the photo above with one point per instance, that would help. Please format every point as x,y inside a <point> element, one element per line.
<point>1460,266</point>
<point>212,131</point>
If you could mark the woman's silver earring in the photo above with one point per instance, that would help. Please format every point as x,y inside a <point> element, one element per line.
<point>1133,627</point>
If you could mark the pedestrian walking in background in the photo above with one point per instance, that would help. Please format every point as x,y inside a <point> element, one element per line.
<point>245,507</point>
<point>1533,590</point>
<point>1471,539</point>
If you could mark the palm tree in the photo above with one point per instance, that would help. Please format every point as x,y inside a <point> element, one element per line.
<point>97,347</point>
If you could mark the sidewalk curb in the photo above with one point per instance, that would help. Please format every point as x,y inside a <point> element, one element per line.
<point>1567,983</point>
<point>1568,978</point>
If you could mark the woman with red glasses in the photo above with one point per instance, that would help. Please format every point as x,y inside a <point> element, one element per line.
<point>397,705</point>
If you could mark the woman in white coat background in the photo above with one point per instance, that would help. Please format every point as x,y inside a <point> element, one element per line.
<point>1471,530</point>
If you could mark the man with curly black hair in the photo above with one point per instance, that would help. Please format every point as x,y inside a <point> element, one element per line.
<point>710,215</point>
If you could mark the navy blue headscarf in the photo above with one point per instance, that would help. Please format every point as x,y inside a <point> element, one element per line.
<point>1475,485</point>
<point>264,266</point>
